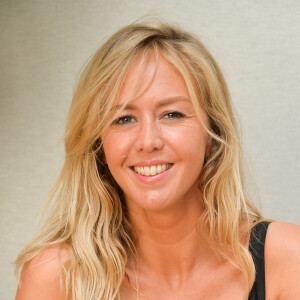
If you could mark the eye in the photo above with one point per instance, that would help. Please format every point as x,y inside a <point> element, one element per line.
<point>173,115</point>
<point>123,120</point>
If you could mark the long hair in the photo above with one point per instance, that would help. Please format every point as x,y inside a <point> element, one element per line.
<point>89,210</point>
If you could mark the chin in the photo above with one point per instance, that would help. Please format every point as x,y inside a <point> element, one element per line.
<point>152,203</point>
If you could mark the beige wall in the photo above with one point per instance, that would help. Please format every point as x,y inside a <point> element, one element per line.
<point>45,43</point>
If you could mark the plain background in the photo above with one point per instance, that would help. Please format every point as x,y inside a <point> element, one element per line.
<point>44,45</point>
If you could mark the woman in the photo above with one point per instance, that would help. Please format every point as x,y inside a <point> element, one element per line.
<point>151,202</point>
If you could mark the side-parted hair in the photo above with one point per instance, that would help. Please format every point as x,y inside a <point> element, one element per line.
<point>89,210</point>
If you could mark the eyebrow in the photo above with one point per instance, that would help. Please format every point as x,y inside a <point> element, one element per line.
<point>163,102</point>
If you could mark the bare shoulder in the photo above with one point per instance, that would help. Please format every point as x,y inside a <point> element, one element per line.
<point>40,277</point>
<point>282,261</point>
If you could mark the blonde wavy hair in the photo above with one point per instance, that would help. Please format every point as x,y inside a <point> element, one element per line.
<point>89,210</point>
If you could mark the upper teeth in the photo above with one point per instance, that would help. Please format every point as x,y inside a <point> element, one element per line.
<point>152,170</point>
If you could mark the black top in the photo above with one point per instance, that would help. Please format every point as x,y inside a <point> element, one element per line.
<point>256,248</point>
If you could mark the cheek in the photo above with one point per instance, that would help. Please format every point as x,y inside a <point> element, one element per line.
<point>115,149</point>
<point>193,151</point>
<point>190,141</point>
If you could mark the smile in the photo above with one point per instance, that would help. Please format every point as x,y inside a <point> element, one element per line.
<point>151,170</point>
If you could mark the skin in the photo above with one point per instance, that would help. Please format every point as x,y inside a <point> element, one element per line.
<point>40,277</point>
<point>175,262</point>
<point>148,130</point>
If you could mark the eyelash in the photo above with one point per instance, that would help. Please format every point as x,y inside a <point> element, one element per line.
<point>175,114</point>
<point>120,121</point>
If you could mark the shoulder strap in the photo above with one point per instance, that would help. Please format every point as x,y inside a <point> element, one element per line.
<point>257,250</point>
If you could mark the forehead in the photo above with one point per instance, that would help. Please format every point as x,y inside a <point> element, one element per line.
<point>153,77</point>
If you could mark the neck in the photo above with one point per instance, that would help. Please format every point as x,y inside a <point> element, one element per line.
<point>169,246</point>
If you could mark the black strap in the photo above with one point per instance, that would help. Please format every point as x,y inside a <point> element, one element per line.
<point>257,250</point>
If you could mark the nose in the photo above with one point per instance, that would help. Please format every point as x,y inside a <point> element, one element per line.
<point>149,137</point>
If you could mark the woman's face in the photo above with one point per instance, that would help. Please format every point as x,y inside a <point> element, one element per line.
<point>156,147</point>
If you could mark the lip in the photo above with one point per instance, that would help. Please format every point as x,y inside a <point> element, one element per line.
<point>150,163</point>
<point>153,178</point>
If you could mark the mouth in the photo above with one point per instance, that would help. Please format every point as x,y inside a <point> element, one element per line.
<point>149,171</point>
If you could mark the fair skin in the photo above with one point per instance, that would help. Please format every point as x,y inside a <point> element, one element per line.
<point>160,128</point>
